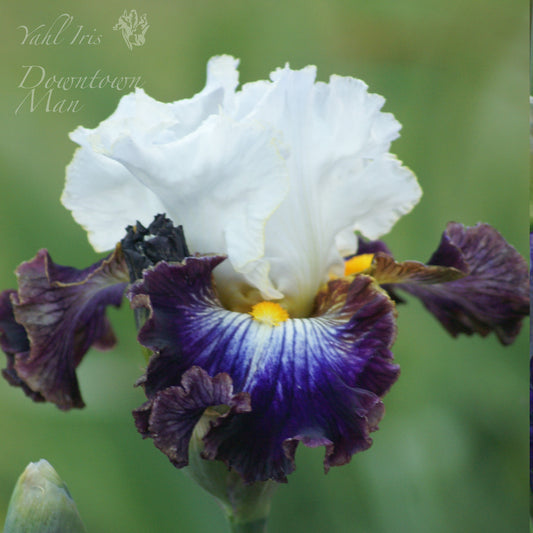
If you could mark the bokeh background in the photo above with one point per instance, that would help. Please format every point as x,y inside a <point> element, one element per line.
<point>451,454</point>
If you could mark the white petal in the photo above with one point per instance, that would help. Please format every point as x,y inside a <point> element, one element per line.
<point>249,97</point>
<point>103,195</point>
<point>222,72</point>
<point>386,190</point>
<point>105,198</point>
<point>222,183</point>
<point>215,164</point>
<point>341,176</point>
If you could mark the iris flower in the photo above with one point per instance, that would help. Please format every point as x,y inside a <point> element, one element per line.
<point>261,291</point>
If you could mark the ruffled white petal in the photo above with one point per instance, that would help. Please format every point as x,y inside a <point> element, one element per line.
<point>341,174</point>
<point>105,198</point>
<point>277,176</point>
<point>222,183</point>
<point>102,194</point>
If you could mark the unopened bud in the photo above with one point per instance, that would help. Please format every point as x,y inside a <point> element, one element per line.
<point>42,503</point>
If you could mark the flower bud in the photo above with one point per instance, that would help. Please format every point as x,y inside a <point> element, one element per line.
<point>41,502</point>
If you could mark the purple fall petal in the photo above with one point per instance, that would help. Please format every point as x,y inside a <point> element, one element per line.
<point>13,338</point>
<point>493,296</point>
<point>62,311</point>
<point>316,381</point>
<point>13,341</point>
<point>174,412</point>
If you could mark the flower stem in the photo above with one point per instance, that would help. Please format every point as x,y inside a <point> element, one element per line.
<point>258,526</point>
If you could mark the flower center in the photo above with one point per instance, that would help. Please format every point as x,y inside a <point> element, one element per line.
<point>269,313</point>
<point>358,264</point>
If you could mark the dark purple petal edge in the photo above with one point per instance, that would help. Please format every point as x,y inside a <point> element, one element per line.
<point>171,416</point>
<point>49,324</point>
<point>493,296</point>
<point>341,367</point>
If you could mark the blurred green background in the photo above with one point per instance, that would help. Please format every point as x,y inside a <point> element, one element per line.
<point>451,454</point>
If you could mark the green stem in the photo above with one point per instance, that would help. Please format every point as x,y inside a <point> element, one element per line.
<point>258,526</point>
<point>246,506</point>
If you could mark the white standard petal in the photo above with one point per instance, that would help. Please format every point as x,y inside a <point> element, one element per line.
<point>222,183</point>
<point>222,72</point>
<point>215,164</point>
<point>105,198</point>
<point>342,177</point>
<point>102,194</point>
